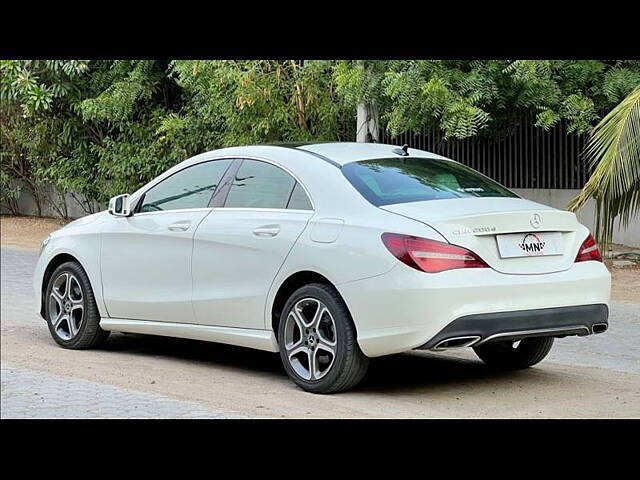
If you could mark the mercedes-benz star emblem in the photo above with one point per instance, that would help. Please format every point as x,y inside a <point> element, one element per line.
<point>535,221</point>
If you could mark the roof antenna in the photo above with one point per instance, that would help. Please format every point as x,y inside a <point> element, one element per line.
<point>404,151</point>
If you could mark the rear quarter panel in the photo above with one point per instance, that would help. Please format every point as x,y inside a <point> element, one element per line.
<point>345,251</point>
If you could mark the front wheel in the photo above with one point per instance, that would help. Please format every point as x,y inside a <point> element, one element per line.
<point>515,355</point>
<point>71,311</point>
<point>318,344</point>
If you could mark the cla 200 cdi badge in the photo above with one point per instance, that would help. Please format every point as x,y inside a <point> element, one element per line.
<point>329,254</point>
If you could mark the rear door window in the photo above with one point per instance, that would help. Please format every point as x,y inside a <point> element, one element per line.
<point>395,180</point>
<point>260,185</point>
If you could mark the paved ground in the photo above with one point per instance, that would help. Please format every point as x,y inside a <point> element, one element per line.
<point>30,394</point>
<point>148,377</point>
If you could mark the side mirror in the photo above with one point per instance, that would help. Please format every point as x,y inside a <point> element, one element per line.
<point>119,206</point>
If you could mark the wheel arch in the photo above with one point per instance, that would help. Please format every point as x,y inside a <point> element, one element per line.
<point>54,263</point>
<point>290,285</point>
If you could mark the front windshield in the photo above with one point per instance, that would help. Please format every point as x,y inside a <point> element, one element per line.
<point>403,180</point>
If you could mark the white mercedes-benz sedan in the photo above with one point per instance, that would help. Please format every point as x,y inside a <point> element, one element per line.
<point>330,254</point>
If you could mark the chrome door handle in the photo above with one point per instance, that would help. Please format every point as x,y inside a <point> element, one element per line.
<point>180,226</point>
<point>267,231</point>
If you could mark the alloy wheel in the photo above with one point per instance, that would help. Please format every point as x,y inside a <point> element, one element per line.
<point>66,306</point>
<point>310,339</point>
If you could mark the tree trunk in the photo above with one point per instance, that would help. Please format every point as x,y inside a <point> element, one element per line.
<point>58,203</point>
<point>367,129</point>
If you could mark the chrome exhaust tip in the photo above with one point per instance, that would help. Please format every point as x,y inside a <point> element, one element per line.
<point>456,342</point>
<point>599,327</point>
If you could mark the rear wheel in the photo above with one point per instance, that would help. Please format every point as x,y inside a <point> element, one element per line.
<point>318,344</point>
<point>515,355</point>
<point>70,309</point>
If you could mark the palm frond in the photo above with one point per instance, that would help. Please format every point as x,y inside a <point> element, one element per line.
<point>613,151</point>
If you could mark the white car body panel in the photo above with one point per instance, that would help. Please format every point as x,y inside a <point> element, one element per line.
<point>404,308</point>
<point>79,239</point>
<point>146,266</point>
<point>234,265</point>
<point>473,223</point>
<point>218,281</point>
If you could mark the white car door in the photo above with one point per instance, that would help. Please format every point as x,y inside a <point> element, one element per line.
<point>239,248</point>
<point>146,258</point>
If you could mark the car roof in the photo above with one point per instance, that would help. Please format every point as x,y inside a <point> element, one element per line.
<point>334,153</point>
<point>347,152</point>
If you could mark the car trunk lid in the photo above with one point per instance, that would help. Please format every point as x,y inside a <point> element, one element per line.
<point>475,224</point>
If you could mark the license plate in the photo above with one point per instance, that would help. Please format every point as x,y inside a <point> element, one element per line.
<point>539,244</point>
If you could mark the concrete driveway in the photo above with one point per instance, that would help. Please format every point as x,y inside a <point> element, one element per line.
<point>137,376</point>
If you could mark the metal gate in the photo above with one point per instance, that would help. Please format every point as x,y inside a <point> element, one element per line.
<point>515,153</point>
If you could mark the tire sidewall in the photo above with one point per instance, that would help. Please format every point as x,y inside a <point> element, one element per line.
<point>529,352</point>
<point>344,329</point>
<point>88,306</point>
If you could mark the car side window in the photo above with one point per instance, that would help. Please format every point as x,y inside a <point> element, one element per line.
<point>188,188</point>
<point>260,185</point>
<point>299,199</point>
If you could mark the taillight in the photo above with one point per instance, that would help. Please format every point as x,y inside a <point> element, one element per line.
<point>429,255</point>
<point>589,251</point>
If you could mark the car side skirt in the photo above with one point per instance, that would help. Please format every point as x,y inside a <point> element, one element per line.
<point>243,337</point>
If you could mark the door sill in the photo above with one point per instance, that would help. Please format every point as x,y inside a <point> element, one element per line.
<point>243,337</point>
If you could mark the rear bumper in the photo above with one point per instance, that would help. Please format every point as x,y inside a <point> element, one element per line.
<point>473,330</point>
<point>404,309</point>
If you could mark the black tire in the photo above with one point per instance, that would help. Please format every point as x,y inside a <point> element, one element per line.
<point>349,363</point>
<point>89,334</point>
<point>503,355</point>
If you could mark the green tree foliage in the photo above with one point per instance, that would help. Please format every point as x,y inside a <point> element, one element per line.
<point>463,98</point>
<point>248,102</point>
<point>34,103</point>
<point>99,128</point>
<point>614,153</point>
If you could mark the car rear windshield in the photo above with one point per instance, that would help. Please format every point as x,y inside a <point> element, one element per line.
<point>403,180</point>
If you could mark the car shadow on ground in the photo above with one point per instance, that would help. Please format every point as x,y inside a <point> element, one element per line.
<point>419,370</point>
<point>208,353</point>
<point>402,372</point>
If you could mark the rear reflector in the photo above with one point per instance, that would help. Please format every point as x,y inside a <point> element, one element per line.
<point>429,255</point>
<point>589,251</point>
